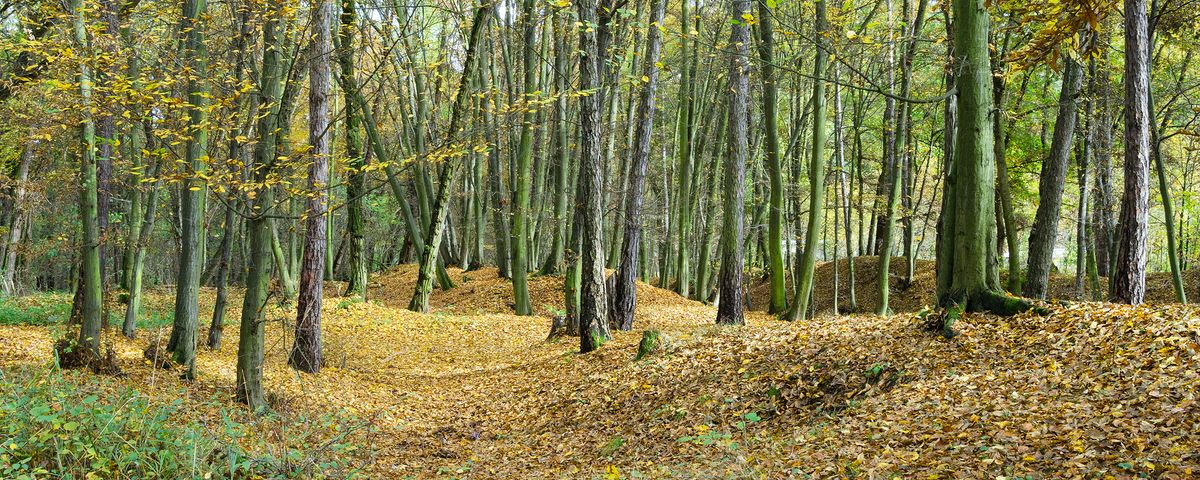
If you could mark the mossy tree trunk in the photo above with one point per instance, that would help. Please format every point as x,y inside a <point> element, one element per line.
<point>251,335</point>
<point>966,257</point>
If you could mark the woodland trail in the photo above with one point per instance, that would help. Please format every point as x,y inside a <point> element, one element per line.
<point>470,392</point>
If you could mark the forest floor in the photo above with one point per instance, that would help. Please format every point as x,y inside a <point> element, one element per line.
<point>471,391</point>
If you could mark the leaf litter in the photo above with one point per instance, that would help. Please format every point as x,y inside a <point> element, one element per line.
<point>471,391</point>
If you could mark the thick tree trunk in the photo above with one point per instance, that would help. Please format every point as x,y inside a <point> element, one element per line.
<point>730,307</point>
<point>1129,272</point>
<point>967,255</point>
<point>90,288</point>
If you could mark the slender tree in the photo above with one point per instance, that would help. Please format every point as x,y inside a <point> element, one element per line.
<point>624,295</point>
<point>187,287</point>
<point>1129,273</point>
<point>770,100</point>
<point>90,287</point>
<point>433,240</point>
<point>306,353</point>
<point>730,307</point>
<point>258,225</point>
<point>816,175</point>
<point>1043,235</point>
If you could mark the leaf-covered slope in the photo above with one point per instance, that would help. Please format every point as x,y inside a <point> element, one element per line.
<point>1092,390</point>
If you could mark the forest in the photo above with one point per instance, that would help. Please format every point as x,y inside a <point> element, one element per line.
<point>599,239</point>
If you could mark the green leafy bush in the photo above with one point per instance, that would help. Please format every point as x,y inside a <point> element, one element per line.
<point>53,427</point>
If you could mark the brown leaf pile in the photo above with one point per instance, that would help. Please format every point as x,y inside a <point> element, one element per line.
<point>1091,391</point>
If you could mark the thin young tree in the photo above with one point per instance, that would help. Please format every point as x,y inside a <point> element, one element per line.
<point>816,174</point>
<point>770,101</point>
<point>441,206</point>
<point>520,217</point>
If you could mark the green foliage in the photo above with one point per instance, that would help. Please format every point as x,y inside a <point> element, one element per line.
<point>52,427</point>
<point>40,309</point>
<point>53,308</point>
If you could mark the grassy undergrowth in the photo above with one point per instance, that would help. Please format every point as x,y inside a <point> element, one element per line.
<point>55,425</point>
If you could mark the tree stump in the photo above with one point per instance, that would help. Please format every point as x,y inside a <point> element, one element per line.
<point>560,327</point>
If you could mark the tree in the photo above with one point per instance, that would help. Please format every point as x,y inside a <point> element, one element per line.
<point>624,295</point>
<point>187,287</point>
<point>770,100</point>
<point>1129,273</point>
<point>90,287</point>
<point>258,225</point>
<point>356,207</point>
<point>433,240</point>
<point>816,175</point>
<point>593,318</point>
<point>1044,233</point>
<point>729,310</point>
<point>967,277</point>
<point>306,354</point>
<point>520,218</point>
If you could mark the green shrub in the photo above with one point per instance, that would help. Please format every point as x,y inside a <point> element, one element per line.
<point>38,309</point>
<point>52,425</point>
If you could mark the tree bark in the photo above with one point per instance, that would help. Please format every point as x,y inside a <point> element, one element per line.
<point>625,291</point>
<point>1129,272</point>
<point>1043,235</point>
<point>306,354</point>
<point>730,308</point>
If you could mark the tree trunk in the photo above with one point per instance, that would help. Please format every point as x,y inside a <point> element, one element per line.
<point>356,207</point>
<point>90,288</point>
<point>625,291</point>
<point>730,308</point>
<point>420,299</point>
<point>966,257</point>
<point>306,354</point>
<point>593,306</point>
<point>519,242</point>
<point>250,337</point>
<point>816,175</point>
<point>1050,186</point>
<point>766,47</point>
<point>1129,272</point>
